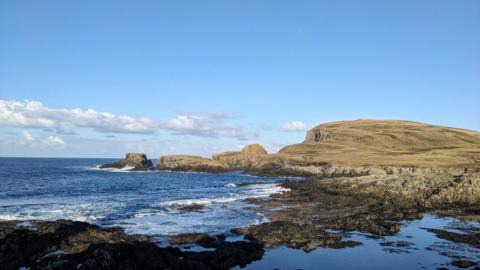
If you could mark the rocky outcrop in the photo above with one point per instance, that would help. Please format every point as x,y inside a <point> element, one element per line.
<point>307,237</point>
<point>131,162</point>
<point>190,164</point>
<point>250,157</point>
<point>278,166</point>
<point>319,135</point>
<point>65,245</point>
<point>373,203</point>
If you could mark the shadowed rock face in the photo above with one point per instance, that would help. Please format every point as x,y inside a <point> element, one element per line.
<point>190,164</point>
<point>137,161</point>
<point>78,245</point>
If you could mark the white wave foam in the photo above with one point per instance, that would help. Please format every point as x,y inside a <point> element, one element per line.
<point>8,217</point>
<point>265,190</point>
<point>24,224</point>
<point>253,191</point>
<point>126,169</point>
<point>231,185</point>
<point>88,212</point>
<point>201,201</point>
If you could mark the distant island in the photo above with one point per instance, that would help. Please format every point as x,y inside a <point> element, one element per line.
<point>362,175</point>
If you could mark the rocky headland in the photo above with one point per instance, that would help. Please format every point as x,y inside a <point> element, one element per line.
<point>131,162</point>
<point>245,160</point>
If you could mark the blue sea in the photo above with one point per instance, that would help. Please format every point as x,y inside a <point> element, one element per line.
<point>151,203</point>
<point>140,202</point>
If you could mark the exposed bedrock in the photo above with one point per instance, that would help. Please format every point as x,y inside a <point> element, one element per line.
<point>249,157</point>
<point>137,162</point>
<point>372,204</point>
<point>190,164</point>
<point>64,244</point>
<point>306,236</point>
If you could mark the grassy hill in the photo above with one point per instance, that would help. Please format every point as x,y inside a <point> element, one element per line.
<point>387,142</point>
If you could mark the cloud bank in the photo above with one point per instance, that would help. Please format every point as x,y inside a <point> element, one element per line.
<point>294,126</point>
<point>33,114</point>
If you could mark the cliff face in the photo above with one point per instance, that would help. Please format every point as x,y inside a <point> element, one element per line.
<point>137,161</point>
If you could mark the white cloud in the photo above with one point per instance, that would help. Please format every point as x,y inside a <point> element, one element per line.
<point>27,136</point>
<point>212,125</point>
<point>33,114</point>
<point>294,126</point>
<point>54,140</point>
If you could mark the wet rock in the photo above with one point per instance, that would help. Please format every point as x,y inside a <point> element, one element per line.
<point>294,235</point>
<point>48,245</point>
<point>189,238</point>
<point>472,239</point>
<point>398,244</point>
<point>463,263</point>
<point>137,161</point>
<point>194,207</point>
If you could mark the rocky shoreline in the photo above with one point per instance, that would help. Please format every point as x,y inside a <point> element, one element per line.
<point>375,204</point>
<point>67,244</point>
<point>314,213</point>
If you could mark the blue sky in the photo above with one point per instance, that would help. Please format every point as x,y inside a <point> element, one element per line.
<point>201,77</point>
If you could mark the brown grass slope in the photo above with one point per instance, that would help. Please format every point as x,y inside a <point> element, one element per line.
<point>387,143</point>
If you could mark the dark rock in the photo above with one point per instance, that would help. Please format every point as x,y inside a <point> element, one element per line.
<point>293,235</point>
<point>472,239</point>
<point>463,263</point>
<point>59,245</point>
<point>399,244</point>
<point>191,208</point>
<point>137,161</point>
<point>188,238</point>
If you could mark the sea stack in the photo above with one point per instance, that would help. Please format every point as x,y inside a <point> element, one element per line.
<point>131,162</point>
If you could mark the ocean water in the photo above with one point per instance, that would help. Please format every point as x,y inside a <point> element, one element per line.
<point>140,202</point>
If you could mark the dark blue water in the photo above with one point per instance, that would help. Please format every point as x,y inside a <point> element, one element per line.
<point>140,202</point>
